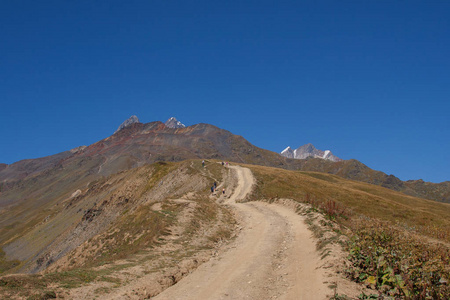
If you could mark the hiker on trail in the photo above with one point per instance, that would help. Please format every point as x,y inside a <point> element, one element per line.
<point>203,163</point>
<point>215,185</point>
<point>223,164</point>
<point>212,189</point>
<point>223,191</point>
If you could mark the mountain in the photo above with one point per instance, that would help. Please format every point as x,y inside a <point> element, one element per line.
<point>174,123</point>
<point>33,190</point>
<point>43,229</point>
<point>355,170</point>
<point>38,182</point>
<point>29,167</point>
<point>49,184</point>
<point>131,120</point>
<point>309,150</point>
<point>137,144</point>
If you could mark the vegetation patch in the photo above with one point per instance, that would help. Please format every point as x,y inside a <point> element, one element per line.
<point>134,232</point>
<point>398,264</point>
<point>37,286</point>
<point>159,170</point>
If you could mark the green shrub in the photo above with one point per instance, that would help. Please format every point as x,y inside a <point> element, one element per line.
<point>397,264</point>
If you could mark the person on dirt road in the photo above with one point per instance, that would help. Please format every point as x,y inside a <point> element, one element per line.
<point>223,191</point>
<point>212,189</point>
<point>203,163</point>
<point>215,185</point>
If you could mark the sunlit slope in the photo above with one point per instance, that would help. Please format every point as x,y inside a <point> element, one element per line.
<point>40,235</point>
<point>355,170</point>
<point>358,198</point>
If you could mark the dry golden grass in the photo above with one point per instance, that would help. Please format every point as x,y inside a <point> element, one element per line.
<point>420,215</point>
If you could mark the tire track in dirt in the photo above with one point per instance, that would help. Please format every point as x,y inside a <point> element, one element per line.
<point>273,257</point>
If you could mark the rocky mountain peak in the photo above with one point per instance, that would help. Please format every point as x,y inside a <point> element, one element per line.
<point>174,123</point>
<point>131,120</point>
<point>288,152</point>
<point>309,150</point>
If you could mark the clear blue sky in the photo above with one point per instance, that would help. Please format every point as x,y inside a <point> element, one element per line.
<point>368,80</point>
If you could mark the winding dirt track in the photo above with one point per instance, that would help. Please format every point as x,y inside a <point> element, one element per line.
<point>273,257</point>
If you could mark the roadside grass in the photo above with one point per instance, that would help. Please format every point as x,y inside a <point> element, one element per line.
<point>397,264</point>
<point>40,286</point>
<point>213,169</point>
<point>351,198</point>
<point>398,244</point>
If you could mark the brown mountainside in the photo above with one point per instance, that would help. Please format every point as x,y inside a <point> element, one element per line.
<point>52,179</point>
<point>27,167</point>
<point>39,234</point>
<point>139,143</point>
<point>355,170</point>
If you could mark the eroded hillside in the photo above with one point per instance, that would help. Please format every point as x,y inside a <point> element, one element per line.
<point>124,212</point>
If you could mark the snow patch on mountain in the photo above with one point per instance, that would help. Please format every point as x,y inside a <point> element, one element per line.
<point>287,149</point>
<point>309,150</point>
<point>174,123</point>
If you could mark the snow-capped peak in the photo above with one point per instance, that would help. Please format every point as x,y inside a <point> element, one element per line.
<point>287,149</point>
<point>174,123</point>
<point>309,150</point>
<point>131,120</point>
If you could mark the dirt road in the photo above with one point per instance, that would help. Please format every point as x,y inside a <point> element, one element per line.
<point>273,257</point>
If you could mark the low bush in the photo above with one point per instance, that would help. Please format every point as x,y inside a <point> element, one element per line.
<point>398,264</point>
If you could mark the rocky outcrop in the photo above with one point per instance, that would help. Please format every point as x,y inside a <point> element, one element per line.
<point>131,120</point>
<point>78,149</point>
<point>174,123</point>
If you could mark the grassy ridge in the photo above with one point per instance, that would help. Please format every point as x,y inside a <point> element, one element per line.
<point>426,217</point>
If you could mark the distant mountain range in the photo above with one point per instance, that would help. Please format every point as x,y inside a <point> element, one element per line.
<point>135,144</point>
<point>309,150</point>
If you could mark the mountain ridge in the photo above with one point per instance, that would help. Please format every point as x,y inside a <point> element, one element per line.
<point>308,150</point>
<point>138,143</point>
